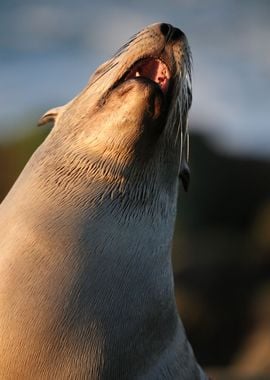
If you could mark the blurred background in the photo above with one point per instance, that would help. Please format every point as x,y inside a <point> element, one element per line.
<point>221,249</point>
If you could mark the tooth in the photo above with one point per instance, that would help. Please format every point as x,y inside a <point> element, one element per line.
<point>137,74</point>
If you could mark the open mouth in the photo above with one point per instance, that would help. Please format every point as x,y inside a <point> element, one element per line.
<point>152,69</point>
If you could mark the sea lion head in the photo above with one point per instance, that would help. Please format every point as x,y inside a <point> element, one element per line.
<point>132,115</point>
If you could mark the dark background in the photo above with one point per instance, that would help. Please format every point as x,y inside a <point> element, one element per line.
<point>222,240</point>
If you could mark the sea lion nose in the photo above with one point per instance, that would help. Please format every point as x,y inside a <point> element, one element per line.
<point>171,33</point>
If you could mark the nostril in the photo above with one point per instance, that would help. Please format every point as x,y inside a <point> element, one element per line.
<point>177,34</point>
<point>171,33</point>
<point>165,29</point>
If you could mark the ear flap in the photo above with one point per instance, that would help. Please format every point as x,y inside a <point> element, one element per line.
<point>50,116</point>
<point>184,171</point>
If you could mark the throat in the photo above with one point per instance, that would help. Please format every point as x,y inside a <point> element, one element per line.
<point>125,271</point>
<point>132,297</point>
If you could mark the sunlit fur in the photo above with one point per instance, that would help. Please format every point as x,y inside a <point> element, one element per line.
<point>95,143</point>
<point>86,281</point>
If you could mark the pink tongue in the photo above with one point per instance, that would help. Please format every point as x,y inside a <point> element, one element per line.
<point>154,70</point>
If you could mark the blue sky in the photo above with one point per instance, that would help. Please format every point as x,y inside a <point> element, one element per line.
<point>48,49</point>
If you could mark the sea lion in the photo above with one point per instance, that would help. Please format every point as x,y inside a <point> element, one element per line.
<point>86,281</point>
